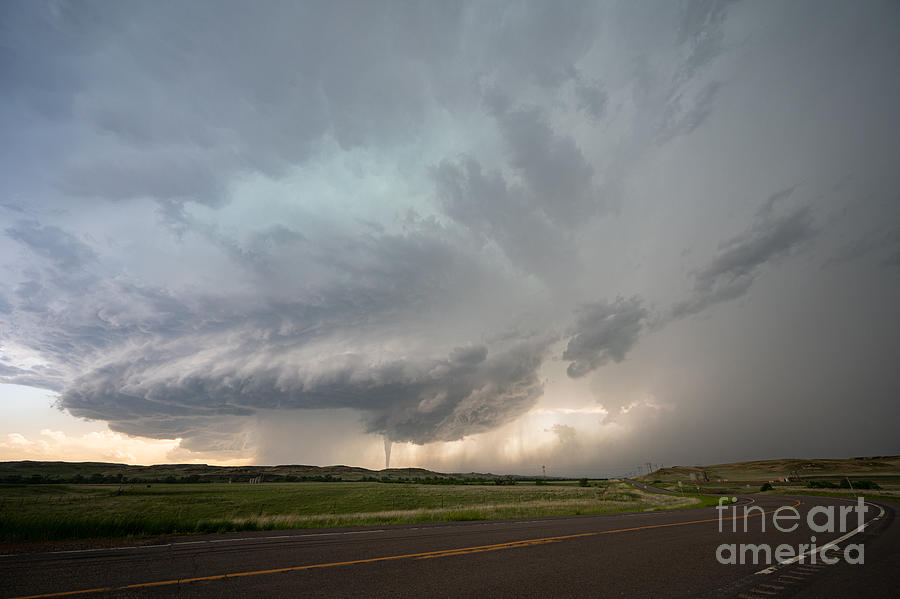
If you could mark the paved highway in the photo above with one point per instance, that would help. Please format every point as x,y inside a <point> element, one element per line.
<point>647,487</point>
<point>651,554</point>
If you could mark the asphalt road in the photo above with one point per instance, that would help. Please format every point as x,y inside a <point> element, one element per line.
<point>647,487</point>
<point>651,554</point>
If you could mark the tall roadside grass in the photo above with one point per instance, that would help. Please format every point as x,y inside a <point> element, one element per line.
<point>28,513</point>
<point>42,527</point>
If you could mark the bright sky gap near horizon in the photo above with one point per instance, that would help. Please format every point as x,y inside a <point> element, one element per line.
<point>500,235</point>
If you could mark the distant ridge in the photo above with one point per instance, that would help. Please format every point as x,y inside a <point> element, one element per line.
<point>798,468</point>
<point>46,471</point>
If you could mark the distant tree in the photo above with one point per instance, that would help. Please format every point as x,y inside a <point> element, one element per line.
<point>822,484</point>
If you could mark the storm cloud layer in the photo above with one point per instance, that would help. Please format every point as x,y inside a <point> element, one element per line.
<point>450,218</point>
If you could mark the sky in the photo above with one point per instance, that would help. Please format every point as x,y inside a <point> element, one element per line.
<point>490,236</point>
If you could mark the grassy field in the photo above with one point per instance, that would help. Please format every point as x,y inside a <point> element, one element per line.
<point>763,470</point>
<point>57,512</point>
<point>734,478</point>
<point>888,489</point>
<point>51,512</point>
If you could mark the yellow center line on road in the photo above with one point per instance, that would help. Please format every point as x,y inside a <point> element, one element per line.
<point>512,545</point>
<point>424,555</point>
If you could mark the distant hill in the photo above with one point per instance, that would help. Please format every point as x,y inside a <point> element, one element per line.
<point>102,472</point>
<point>764,470</point>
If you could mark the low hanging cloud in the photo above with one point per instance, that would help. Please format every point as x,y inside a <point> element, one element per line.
<point>740,260</point>
<point>196,366</point>
<point>604,331</point>
<point>884,243</point>
<point>420,400</point>
<point>43,377</point>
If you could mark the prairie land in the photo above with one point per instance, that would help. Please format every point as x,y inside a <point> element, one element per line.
<point>35,512</point>
<point>841,477</point>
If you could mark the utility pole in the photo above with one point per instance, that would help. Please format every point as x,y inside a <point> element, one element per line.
<point>544,471</point>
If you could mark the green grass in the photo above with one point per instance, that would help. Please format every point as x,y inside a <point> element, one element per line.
<point>699,500</point>
<point>889,489</point>
<point>726,479</point>
<point>764,470</point>
<point>868,495</point>
<point>882,471</point>
<point>57,512</point>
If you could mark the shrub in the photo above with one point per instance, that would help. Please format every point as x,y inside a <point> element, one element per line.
<point>766,487</point>
<point>859,484</point>
<point>822,484</point>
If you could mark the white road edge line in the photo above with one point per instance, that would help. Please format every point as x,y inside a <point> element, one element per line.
<point>828,545</point>
<point>180,543</point>
<point>189,543</point>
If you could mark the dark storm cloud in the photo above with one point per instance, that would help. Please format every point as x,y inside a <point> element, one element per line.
<point>43,377</point>
<point>158,365</point>
<point>739,261</point>
<point>557,175</point>
<point>531,219</point>
<point>421,400</point>
<point>684,113</point>
<point>604,331</point>
<point>269,99</point>
<point>880,242</point>
<point>495,210</point>
<point>63,249</point>
<point>701,30</point>
<point>173,107</point>
<point>677,101</point>
<point>538,42</point>
<point>591,99</point>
